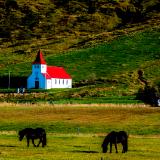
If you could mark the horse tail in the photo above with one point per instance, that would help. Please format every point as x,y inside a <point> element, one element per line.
<point>124,140</point>
<point>44,140</point>
<point>126,144</point>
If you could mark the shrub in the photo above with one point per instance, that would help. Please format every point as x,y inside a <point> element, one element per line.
<point>149,94</point>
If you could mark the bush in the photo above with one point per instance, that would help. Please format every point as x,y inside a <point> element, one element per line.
<point>149,94</point>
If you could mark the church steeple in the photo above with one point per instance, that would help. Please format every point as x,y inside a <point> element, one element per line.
<point>39,58</point>
<point>39,65</point>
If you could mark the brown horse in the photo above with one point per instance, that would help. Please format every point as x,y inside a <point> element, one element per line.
<point>114,138</point>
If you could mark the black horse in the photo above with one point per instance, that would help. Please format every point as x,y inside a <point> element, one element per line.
<point>114,138</point>
<point>38,133</point>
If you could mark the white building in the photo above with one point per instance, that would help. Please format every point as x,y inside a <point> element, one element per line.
<point>47,77</point>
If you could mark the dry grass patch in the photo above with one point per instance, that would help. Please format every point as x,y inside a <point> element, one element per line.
<point>139,119</point>
<point>95,113</point>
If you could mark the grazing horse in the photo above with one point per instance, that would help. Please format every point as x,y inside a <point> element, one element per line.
<point>29,133</point>
<point>114,138</point>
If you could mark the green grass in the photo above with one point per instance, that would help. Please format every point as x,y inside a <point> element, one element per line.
<point>99,100</point>
<point>76,132</point>
<point>77,147</point>
<point>99,93</point>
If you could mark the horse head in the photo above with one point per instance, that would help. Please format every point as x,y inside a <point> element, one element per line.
<point>104,148</point>
<point>105,144</point>
<point>20,135</point>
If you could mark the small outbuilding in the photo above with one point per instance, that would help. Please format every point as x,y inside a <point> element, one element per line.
<point>47,77</point>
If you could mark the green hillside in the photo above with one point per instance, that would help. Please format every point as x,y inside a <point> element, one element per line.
<point>102,44</point>
<point>121,57</point>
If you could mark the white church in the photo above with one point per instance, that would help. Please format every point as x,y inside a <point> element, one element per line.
<point>47,77</point>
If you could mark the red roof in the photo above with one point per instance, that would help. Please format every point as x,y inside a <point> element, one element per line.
<point>39,59</point>
<point>56,72</point>
<point>46,75</point>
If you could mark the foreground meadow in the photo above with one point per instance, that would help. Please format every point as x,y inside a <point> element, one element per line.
<point>75,132</point>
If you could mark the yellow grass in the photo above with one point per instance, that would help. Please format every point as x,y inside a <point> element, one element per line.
<point>74,113</point>
<point>77,113</point>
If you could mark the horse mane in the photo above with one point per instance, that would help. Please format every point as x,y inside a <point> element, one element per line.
<point>107,139</point>
<point>25,130</point>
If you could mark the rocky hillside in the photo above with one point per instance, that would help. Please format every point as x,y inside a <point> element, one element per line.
<point>58,25</point>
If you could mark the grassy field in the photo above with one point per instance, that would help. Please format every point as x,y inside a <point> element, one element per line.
<point>75,132</point>
<point>78,147</point>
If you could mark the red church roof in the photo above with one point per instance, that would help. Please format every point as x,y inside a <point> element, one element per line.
<point>39,59</point>
<point>52,71</point>
<point>56,72</point>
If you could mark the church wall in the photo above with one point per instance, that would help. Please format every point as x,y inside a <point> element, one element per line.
<point>61,83</point>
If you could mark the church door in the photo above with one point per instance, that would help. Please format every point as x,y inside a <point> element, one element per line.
<point>36,84</point>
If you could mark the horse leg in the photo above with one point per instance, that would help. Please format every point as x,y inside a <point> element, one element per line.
<point>44,140</point>
<point>110,147</point>
<point>33,143</point>
<point>124,148</point>
<point>27,142</point>
<point>116,147</point>
<point>40,140</point>
<point>43,144</point>
<point>126,145</point>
